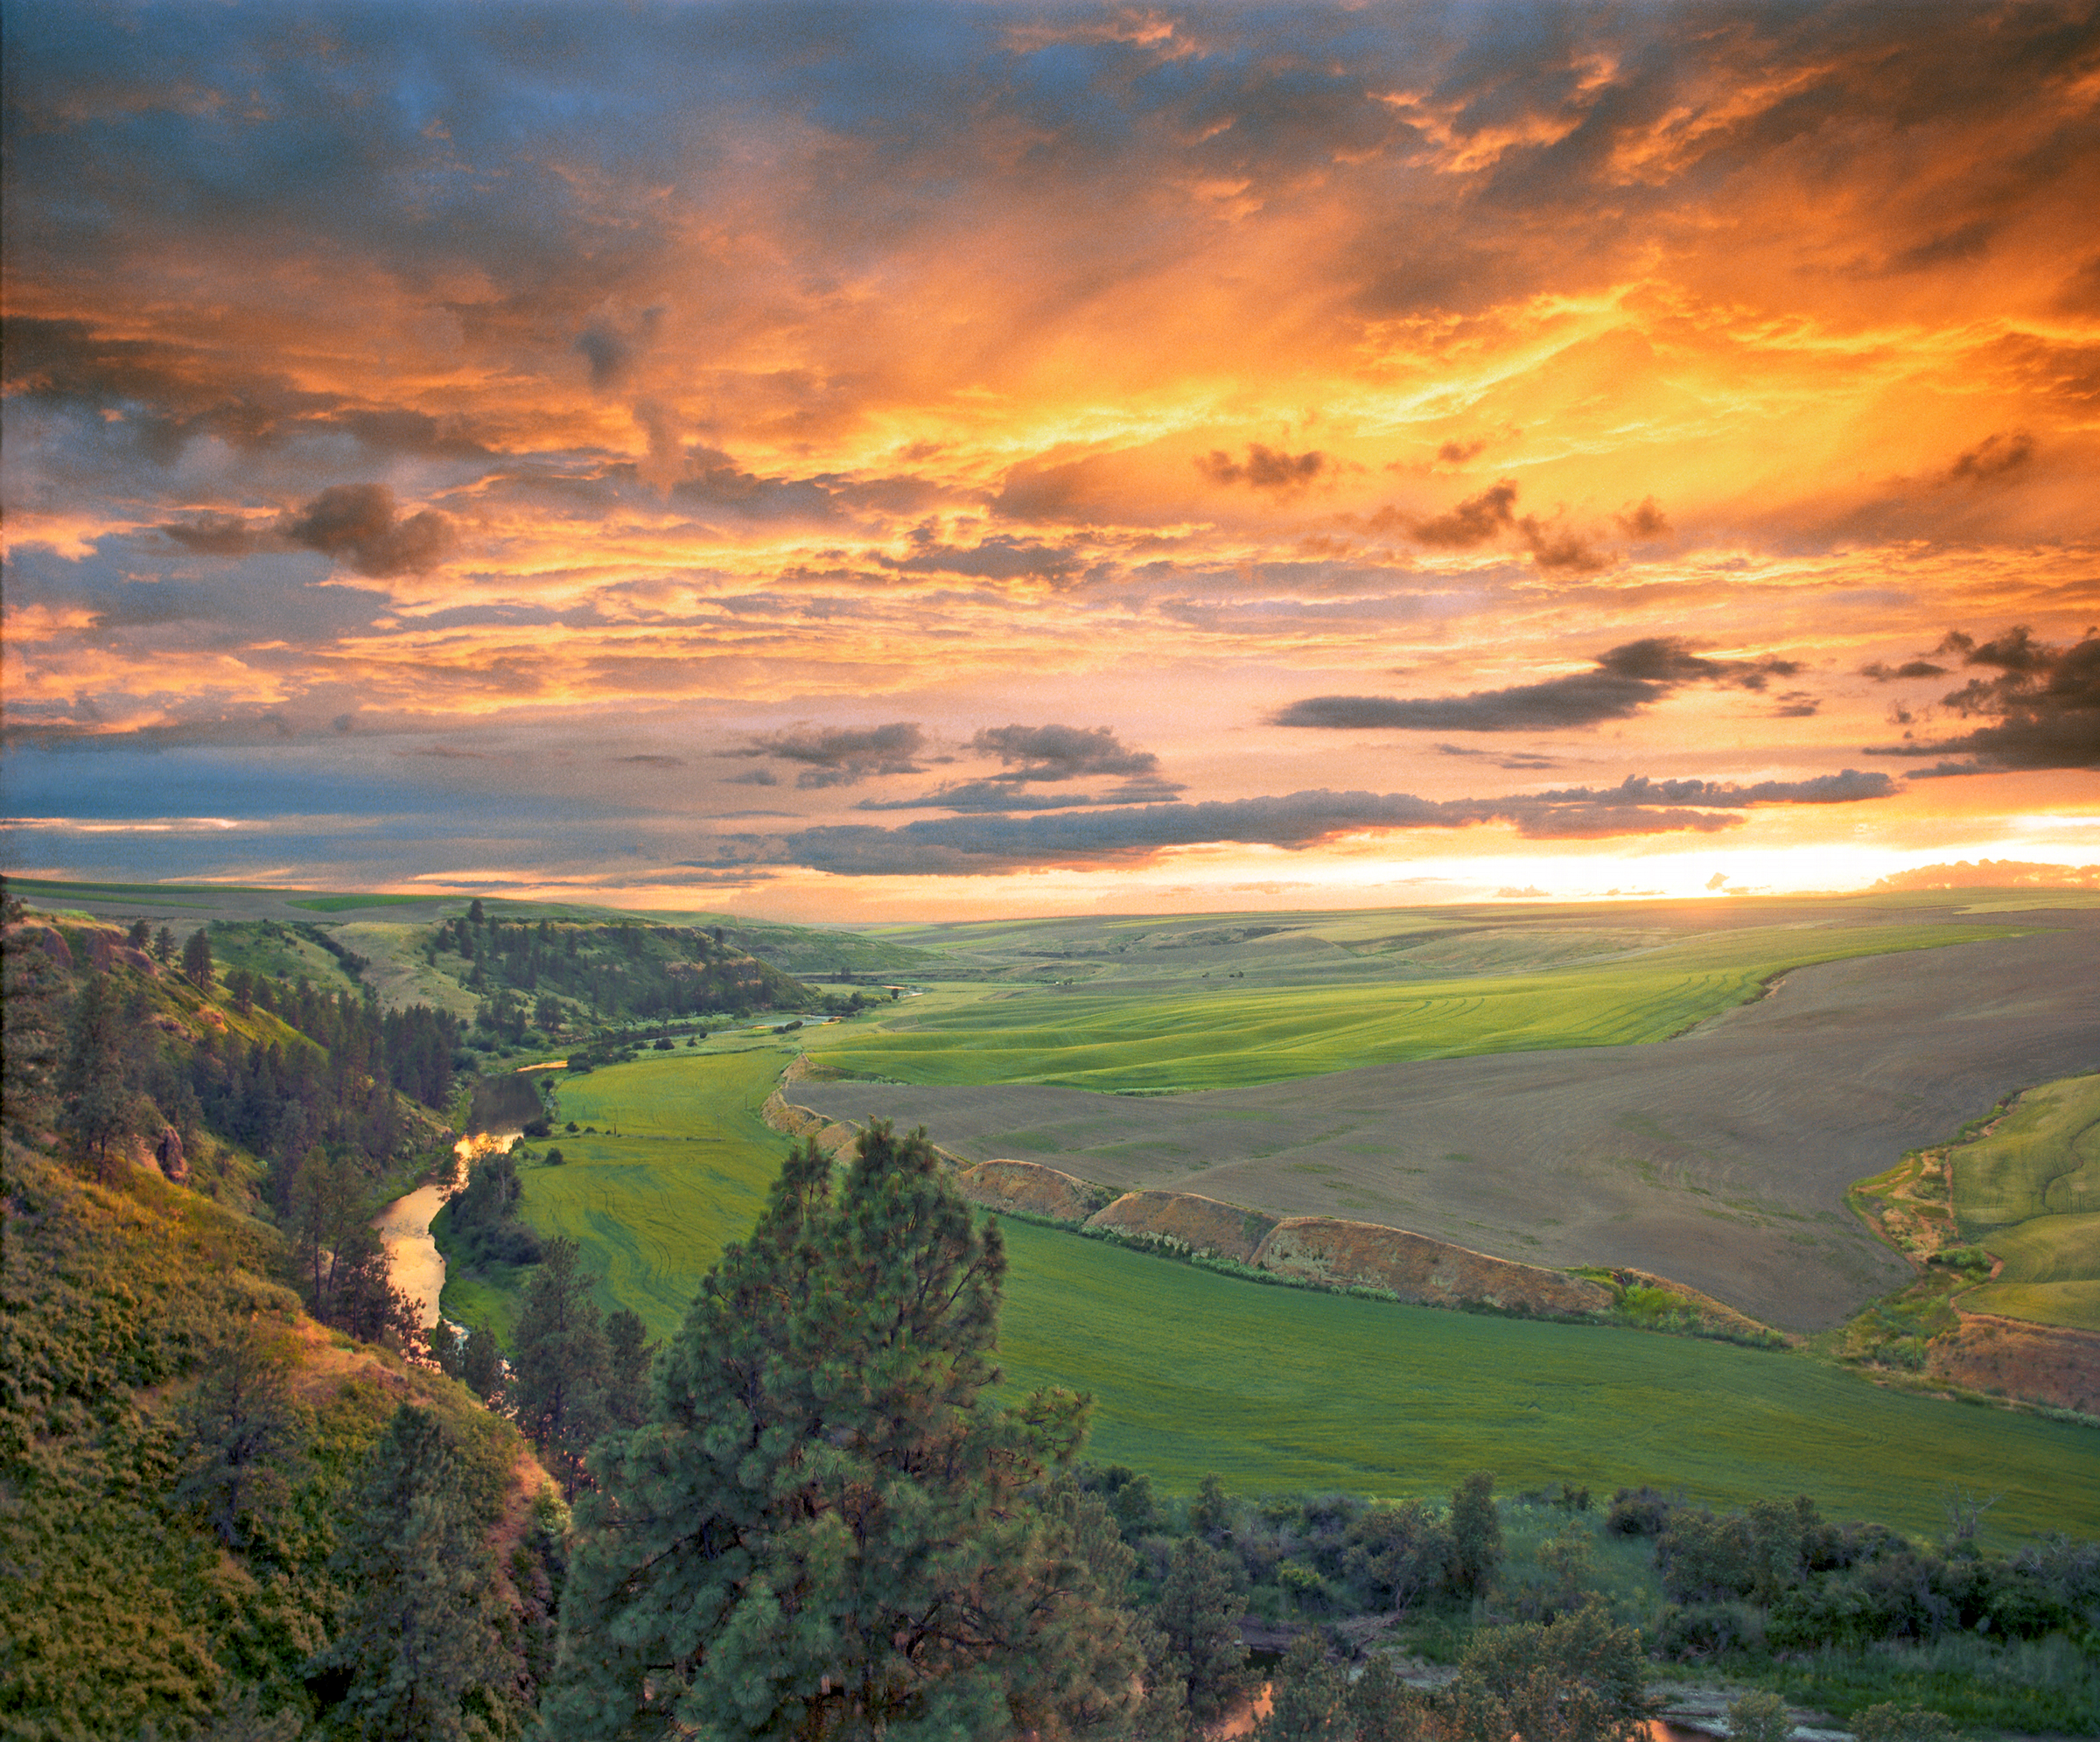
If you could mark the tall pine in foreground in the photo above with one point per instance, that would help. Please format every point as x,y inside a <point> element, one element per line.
<point>826,1527</point>
<point>422,1657</point>
<point>560,1361</point>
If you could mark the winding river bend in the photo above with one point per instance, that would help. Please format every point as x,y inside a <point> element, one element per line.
<point>413,1261</point>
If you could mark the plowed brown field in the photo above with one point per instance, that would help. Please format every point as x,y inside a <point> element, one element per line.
<point>1719,1159</point>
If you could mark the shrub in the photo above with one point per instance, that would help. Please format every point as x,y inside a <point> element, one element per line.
<point>1637,1512</point>
<point>1397,1554</point>
<point>1893,1723</point>
<point>1761,1717</point>
<point>1703,1629</point>
<point>1704,1558</point>
<point>1476,1536</point>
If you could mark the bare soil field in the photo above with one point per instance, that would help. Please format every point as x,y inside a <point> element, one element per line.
<point>1719,1159</point>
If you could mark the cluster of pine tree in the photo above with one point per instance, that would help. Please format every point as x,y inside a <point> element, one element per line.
<point>537,973</point>
<point>210,1072</point>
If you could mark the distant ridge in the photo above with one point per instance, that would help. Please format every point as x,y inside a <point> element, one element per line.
<point>1990,874</point>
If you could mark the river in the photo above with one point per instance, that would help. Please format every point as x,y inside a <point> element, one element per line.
<point>413,1260</point>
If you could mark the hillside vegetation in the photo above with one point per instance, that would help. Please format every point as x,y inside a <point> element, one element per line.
<point>2029,1193</point>
<point>184,1455</point>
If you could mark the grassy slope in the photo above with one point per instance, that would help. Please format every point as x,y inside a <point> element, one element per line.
<point>1273,1389</point>
<point>1083,1039</point>
<point>2030,1193</point>
<point>1282,1389</point>
<point>652,1206</point>
<point>120,1608</point>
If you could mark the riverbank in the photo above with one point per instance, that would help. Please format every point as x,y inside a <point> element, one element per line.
<point>413,1261</point>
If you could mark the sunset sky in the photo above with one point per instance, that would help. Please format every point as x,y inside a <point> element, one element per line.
<point>928,461</point>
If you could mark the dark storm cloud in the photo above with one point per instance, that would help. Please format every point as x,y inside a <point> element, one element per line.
<point>2044,701</point>
<point>1511,760</point>
<point>968,845</point>
<point>1071,492</point>
<point>355,524</point>
<point>1644,520</point>
<point>1055,752</point>
<point>1035,755</point>
<point>978,845</point>
<point>986,797</point>
<point>1624,682</point>
<point>130,595</point>
<point>222,535</point>
<point>840,757</point>
<point>998,558</point>
<point>154,397</point>
<point>1993,457</point>
<point>1491,514</point>
<point>1882,672</point>
<point>716,483</point>
<point>1848,788</point>
<point>1473,521</point>
<point>611,353</point>
<point>1265,468</point>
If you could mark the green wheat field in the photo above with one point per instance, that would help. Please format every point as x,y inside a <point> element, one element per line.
<point>1284,1389</point>
<point>1230,1035</point>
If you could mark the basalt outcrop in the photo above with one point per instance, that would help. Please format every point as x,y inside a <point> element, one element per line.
<point>1324,1251</point>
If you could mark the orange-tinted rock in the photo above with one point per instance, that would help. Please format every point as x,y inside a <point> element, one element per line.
<point>168,1153</point>
<point>1030,1187</point>
<point>832,1137</point>
<point>1200,1224</point>
<point>1414,1267</point>
<point>2050,1364</point>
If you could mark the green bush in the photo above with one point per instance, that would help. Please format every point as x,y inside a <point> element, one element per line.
<point>1893,1723</point>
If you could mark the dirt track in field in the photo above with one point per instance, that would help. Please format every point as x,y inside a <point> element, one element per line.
<point>1719,1159</point>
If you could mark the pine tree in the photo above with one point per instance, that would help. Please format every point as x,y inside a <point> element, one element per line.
<point>826,1526</point>
<point>1476,1535</point>
<point>629,1355</point>
<point>1309,1697</point>
<point>1200,1614</point>
<point>1579,1678</point>
<point>1385,1709</point>
<point>1210,1512</point>
<point>361,1295</point>
<point>92,1093</point>
<point>423,1650</point>
<point>245,1428</point>
<point>481,1363</point>
<point>196,960</point>
<point>559,1362</point>
<point>320,1209</point>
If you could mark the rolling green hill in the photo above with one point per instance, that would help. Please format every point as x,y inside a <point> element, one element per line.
<point>1224,1035</point>
<point>1284,1389</point>
<point>2029,1193</point>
